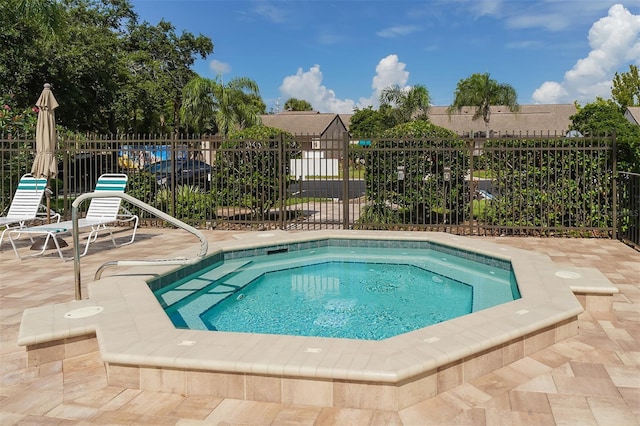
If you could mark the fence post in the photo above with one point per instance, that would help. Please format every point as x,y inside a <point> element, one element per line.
<point>345,180</point>
<point>174,156</point>
<point>614,183</point>
<point>66,153</point>
<point>282,179</point>
<point>471,146</point>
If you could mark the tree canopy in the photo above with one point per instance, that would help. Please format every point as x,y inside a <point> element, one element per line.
<point>368,122</point>
<point>626,88</point>
<point>604,117</point>
<point>47,15</point>
<point>397,106</point>
<point>294,104</point>
<point>109,72</point>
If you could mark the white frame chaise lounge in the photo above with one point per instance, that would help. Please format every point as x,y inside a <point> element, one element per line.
<point>101,213</point>
<point>25,205</point>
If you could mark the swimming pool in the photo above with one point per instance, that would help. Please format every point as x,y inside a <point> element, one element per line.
<point>357,289</point>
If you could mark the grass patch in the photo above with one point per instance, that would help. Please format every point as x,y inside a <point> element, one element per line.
<point>301,200</point>
<point>483,174</point>
<point>478,208</point>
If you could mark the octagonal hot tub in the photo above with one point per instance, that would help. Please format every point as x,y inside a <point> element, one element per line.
<point>346,288</point>
<point>143,349</point>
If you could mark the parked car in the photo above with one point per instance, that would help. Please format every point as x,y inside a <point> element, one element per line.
<point>484,195</point>
<point>187,172</point>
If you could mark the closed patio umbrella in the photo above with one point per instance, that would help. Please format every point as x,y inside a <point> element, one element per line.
<point>45,164</point>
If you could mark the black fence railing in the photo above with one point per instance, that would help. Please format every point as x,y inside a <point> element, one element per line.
<point>629,208</point>
<point>524,185</point>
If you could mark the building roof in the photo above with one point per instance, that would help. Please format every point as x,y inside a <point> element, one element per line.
<point>346,119</point>
<point>300,122</point>
<point>633,115</point>
<point>530,119</point>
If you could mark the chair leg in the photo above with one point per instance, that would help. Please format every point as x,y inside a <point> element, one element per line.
<point>55,241</point>
<point>9,228</point>
<point>4,231</point>
<point>93,235</point>
<point>135,228</point>
<point>49,235</point>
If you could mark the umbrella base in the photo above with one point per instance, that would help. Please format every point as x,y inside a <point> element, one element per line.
<point>39,244</point>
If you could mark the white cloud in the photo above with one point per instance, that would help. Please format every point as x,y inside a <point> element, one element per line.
<point>392,32</point>
<point>307,85</point>
<point>270,12</point>
<point>219,67</point>
<point>488,7</point>
<point>614,42</point>
<point>550,21</point>
<point>551,15</point>
<point>550,93</point>
<point>327,37</point>
<point>389,71</point>
<point>524,44</point>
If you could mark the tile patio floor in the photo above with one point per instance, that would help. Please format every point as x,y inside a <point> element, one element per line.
<point>590,379</point>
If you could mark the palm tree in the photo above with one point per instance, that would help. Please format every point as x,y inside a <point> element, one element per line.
<point>480,91</point>
<point>48,15</point>
<point>295,104</point>
<point>211,105</point>
<point>407,104</point>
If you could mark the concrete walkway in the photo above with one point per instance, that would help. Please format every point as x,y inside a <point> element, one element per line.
<point>590,379</point>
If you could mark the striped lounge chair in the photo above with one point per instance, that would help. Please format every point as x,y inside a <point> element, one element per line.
<point>102,213</point>
<point>26,205</point>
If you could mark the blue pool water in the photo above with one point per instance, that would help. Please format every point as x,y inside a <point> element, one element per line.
<point>374,291</point>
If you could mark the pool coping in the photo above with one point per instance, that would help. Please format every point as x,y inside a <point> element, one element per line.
<point>133,330</point>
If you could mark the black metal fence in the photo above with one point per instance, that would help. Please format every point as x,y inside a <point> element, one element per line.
<point>629,208</point>
<point>523,185</point>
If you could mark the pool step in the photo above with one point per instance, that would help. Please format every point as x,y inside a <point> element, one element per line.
<point>200,305</point>
<point>493,290</point>
<point>196,285</point>
<point>246,276</point>
<point>228,267</point>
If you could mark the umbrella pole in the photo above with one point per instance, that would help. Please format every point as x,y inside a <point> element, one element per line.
<point>39,243</point>
<point>48,193</point>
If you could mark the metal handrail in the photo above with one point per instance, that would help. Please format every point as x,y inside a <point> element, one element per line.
<point>204,246</point>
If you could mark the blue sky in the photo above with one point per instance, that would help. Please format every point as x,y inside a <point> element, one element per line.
<point>339,54</point>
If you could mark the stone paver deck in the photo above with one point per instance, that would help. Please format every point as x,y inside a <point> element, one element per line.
<point>590,379</point>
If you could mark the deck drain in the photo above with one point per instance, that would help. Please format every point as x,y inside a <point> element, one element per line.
<point>568,275</point>
<point>87,311</point>
<point>265,235</point>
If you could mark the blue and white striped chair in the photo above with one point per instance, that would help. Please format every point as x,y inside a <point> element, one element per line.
<point>101,214</point>
<point>26,205</point>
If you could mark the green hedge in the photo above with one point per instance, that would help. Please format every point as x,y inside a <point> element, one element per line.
<point>416,175</point>
<point>553,183</point>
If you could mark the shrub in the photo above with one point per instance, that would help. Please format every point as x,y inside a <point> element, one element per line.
<point>553,183</point>
<point>416,175</point>
<point>141,186</point>
<point>248,165</point>
<point>192,203</point>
